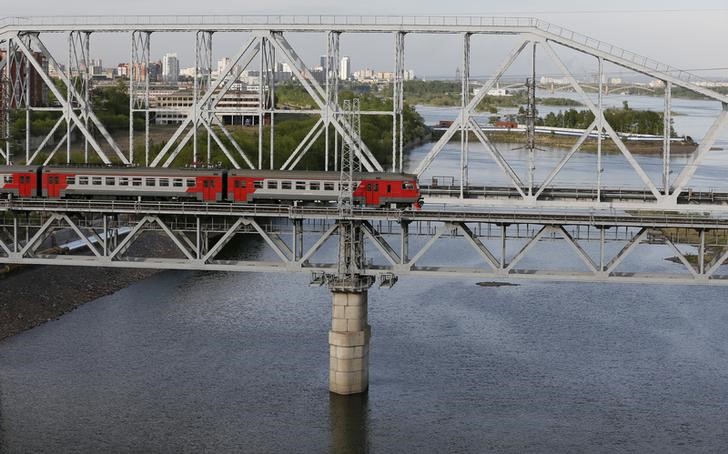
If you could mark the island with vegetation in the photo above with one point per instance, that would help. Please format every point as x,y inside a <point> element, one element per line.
<point>448,93</point>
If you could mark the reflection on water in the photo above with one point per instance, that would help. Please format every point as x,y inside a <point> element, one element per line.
<point>348,422</point>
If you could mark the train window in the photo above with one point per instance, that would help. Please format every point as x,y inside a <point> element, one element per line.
<point>151,182</point>
<point>272,184</point>
<point>369,187</point>
<point>328,186</point>
<point>314,185</point>
<point>300,185</point>
<point>376,187</point>
<point>177,182</point>
<point>123,181</point>
<point>285,185</point>
<point>110,181</point>
<point>258,184</point>
<point>191,183</point>
<point>389,188</point>
<point>70,180</point>
<point>96,180</point>
<point>408,186</point>
<point>82,180</point>
<point>8,178</point>
<point>136,181</point>
<point>164,182</point>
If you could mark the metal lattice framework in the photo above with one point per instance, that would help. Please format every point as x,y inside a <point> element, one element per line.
<point>400,243</point>
<point>109,237</point>
<point>268,45</point>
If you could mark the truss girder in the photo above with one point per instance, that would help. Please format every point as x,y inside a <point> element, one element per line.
<point>78,97</point>
<point>268,36</point>
<point>329,111</point>
<point>28,235</point>
<point>607,127</point>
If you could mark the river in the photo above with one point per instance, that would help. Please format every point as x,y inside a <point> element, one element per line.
<point>222,362</point>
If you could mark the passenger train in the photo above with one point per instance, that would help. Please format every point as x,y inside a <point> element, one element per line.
<point>206,185</point>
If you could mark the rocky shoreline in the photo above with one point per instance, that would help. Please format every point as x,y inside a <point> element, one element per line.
<point>31,296</point>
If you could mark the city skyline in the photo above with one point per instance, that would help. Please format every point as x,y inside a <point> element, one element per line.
<point>688,39</point>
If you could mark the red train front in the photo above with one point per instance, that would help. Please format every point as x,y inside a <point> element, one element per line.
<point>371,189</point>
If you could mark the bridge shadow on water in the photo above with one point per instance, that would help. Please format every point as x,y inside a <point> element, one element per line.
<point>348,424</point>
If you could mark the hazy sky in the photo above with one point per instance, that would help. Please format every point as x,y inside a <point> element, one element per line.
<point>666,30</point>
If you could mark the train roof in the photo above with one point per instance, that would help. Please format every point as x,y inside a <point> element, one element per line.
<point>19,168</point>
<point>157,171</point>
<point>317,174</point>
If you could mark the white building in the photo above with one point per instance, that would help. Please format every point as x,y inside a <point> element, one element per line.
<point>235,108</point>
<point>409,75</point>
<point>170,68</point>
<point>345,68</point>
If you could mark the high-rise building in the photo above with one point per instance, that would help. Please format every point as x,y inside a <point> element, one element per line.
<point>326,59</point>
<point>345,68</point>
<point>97,67</point>
<point>155,71</point>
<point>18,77</point>
<point>170,68</point>
<point>223,64</point>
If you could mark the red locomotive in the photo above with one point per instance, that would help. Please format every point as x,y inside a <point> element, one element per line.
<point>207,185</point>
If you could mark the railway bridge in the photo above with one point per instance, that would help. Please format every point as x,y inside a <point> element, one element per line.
<point>348,247</point>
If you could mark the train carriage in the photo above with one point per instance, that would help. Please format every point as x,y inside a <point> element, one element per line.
<point>374,189</point>
<point>149,183</point>
<point>19,181</point>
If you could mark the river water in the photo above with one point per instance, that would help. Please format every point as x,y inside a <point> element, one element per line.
<point>222,362</point>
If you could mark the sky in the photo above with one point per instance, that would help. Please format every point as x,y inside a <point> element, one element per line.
<point>691,37</point>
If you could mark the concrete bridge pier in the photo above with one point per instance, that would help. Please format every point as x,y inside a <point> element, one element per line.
<point>349,341</point>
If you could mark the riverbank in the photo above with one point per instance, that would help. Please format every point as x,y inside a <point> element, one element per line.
<point>34,295</point>
<point>589,145</point>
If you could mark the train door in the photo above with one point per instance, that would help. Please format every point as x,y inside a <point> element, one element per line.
<point>53,185</point>
<point>209,192</point>
<point>25,185</point>
<point>372,194</point>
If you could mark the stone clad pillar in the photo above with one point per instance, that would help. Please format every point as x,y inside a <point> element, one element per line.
<point>349,343</point>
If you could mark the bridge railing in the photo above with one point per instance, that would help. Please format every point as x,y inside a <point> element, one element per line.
<point>321,19</point>
<point>616,51</point>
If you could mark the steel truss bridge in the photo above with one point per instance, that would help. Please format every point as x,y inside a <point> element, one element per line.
<point>605,228</point>
<point>23,39</point>
<point>26,224</point>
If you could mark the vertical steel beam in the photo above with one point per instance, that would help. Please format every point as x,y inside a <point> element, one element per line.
<point>503,238</point>
<point>139,82</point>
<point>261,100</point>
<point>701,253</point>
<point>531,122</point>
<point>27,109</point>
<point>331,68</point>
<point>464,114</point>
<point>87,90</point>
<point>602,241</point>
<point>398,101</point>
<point>600,129</point>
<point>69,97</point>
<point>404,246</point>
<point>272,102</point>
<point>667,134</point>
